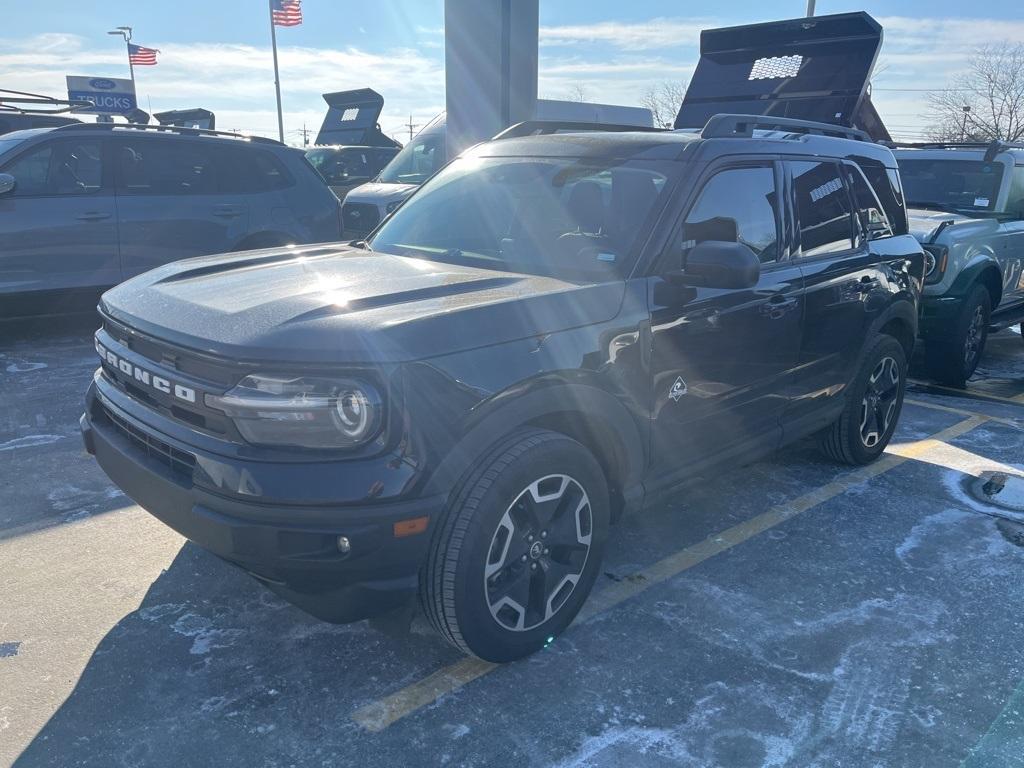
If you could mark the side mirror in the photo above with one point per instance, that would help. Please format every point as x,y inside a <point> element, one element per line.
<point>718,264</point>
<point>7,183</point>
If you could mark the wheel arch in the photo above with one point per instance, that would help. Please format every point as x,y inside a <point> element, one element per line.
<point>587,414</point>
<point>900,322</point>
<point>983,269</point>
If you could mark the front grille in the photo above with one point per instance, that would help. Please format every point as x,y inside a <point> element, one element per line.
<point>359,218</point>
<point>181,462</point>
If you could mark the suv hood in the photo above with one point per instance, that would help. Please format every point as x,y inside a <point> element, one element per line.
<point>380,193</point>
<point>337,304</point>
<point>924,221</point>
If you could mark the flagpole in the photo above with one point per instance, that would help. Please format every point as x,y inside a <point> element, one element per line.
<point>277,75</point>
<point>131,67</point>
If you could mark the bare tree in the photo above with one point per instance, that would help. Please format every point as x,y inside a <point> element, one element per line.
<point>578,92</point>
<point>984,103</point>
<point>664,99</point>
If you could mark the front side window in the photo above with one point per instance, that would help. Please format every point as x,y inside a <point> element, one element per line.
<point>568,217</point>
<point>164,167</point>
<point>870,215</point>
<point>822,207</point>
<point>57,168</point>
<point>969,186</point>
<point>737,205</point>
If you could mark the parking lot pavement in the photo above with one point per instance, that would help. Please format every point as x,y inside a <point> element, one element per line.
<point>789,613</point>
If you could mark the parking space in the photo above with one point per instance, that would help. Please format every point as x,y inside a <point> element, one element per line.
<point>786,613</point>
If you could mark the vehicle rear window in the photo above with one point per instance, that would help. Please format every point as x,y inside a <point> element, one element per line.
<point>247,170</point>
<point>57,168</point>
<point>954,185</point>
<point>164,167</point>
<point>823,208</point>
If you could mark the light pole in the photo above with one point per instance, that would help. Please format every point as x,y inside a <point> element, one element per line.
<point>810,7</point>
<point>126,33</point>
<point>963,130</point>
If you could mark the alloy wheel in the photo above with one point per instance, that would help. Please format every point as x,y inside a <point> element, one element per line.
<point>879,404</point>
<point>538,552</point>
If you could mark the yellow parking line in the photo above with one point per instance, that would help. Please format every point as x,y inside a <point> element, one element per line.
<point>379,714</point>
<point>963,412</point>
<point>970,393</point>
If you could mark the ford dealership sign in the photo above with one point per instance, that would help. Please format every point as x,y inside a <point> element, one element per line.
<point>108,95</point>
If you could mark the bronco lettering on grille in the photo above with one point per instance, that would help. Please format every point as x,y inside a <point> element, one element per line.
<point>146,378</point>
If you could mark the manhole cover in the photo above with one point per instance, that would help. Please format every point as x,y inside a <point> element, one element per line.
<point>1001,490</point>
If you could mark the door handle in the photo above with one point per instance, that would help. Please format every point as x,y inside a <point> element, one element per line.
<point>777,306</point>
<point>227,211</point>
<point>93,216</point>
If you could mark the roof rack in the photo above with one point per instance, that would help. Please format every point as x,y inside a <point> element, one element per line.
<point>38,104</point>
<point>165,129</point>
<point>743,127</point>
<point>992,148</point>
<point>547,127</point>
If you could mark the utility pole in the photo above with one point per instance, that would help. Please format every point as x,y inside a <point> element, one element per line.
<point>810,7</point>
<point>410,125</point>
<point>963,130</point>
<point>305,136</point>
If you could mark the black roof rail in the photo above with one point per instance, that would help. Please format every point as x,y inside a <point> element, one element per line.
<point>546,127</point>
<point>165,129</point>
<point>38,104</point>
<point>992,148</point>
<point>743,127</point>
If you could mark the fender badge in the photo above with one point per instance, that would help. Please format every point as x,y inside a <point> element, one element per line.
<point>678,389</point>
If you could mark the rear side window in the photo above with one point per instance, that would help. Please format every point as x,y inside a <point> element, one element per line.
<point>822,207</point>
<point>58,168</point>
<point>155,167</point>
<point>870,215</point>
<point>737,205</point>
<point>248,171</point>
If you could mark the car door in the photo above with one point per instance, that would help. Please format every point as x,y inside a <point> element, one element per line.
<point>170,202</point>
<point>58,228</point>
<point>846,284</point>
<point>722,358</point>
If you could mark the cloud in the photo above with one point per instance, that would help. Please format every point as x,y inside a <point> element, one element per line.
<point>631,36</point>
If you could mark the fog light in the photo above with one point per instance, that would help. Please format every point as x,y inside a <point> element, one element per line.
<point>344,545</point>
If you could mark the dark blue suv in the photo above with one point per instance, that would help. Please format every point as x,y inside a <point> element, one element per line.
<point>552,330</point>
<point>85,206</point>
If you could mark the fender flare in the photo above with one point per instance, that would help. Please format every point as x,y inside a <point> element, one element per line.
<point>502,418</point>
<point>900,309</point>
<point>971,273</point>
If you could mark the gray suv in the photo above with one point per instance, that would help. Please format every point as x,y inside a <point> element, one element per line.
<point>966,205</point>
<point>85,206</point>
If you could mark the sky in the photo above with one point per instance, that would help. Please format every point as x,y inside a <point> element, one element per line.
<point>216,53</point>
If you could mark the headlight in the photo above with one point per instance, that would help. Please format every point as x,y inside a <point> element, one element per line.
<point>393,205</point>
<point>305,412</point>
<point>935,257</point>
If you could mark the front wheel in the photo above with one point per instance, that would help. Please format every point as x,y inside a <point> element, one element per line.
<point>873,406</point>
<point>520,548</point>
<point>953,360</point>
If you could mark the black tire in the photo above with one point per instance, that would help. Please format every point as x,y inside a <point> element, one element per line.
<point>952,361</point>
<point>461,601</point>
<point>860,434</point>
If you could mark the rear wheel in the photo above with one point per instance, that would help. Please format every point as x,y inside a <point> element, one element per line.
<point>873,406</point>
<point>519,549</point>
<point>953,360</point>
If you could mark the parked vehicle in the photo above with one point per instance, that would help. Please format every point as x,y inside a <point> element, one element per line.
<point>553,330</point>
<point>345,168</point>
<point>85,206</point>
<point>20,111</point>
<point>967,208</point>
<point>427,153</point>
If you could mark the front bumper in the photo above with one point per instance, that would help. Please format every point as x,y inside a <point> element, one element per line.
<point>292,549</point>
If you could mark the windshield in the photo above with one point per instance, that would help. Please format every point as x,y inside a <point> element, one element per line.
<point>420,159</point>
<point>567,217</point>
<point>953,185</point>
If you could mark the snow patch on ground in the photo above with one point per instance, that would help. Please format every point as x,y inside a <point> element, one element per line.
<point>205,636</point>
<point>25,367</point>
<point>29,441</point>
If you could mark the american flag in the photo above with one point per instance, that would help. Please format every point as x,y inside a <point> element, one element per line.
<point>286,13</point>
<point>141,56</point>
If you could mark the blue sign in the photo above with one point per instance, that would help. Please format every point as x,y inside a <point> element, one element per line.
<point>108,95</point>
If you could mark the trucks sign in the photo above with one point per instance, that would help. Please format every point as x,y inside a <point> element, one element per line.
<point>108,95</point>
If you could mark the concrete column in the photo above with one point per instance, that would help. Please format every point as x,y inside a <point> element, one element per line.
<point>490,67</point>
